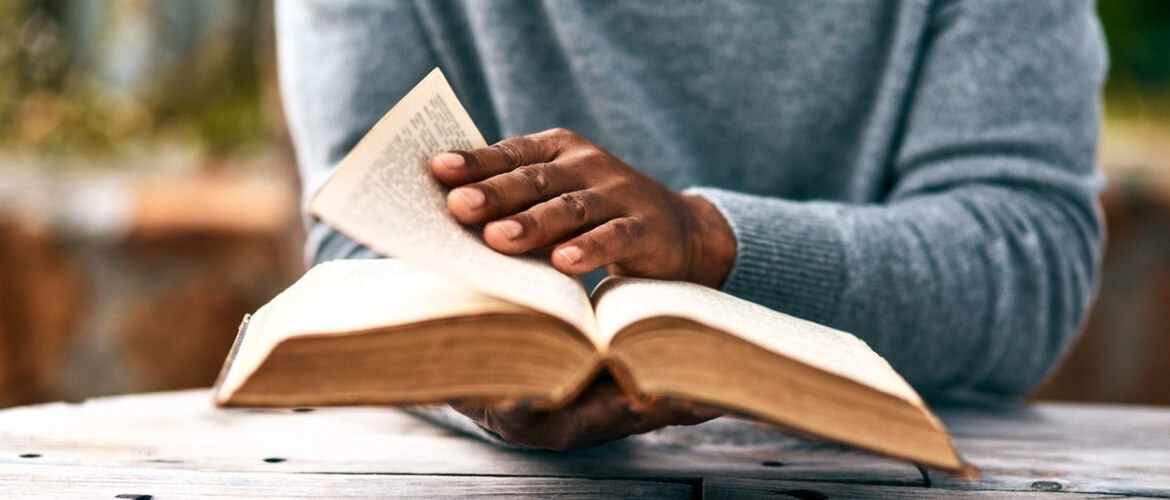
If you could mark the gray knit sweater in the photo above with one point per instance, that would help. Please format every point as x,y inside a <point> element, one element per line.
<point>920,173</point>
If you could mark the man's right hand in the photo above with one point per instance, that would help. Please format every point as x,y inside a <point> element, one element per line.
<point>601,414</point>
<point>557,190</point>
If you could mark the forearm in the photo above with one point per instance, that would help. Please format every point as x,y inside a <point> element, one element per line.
<point>978,289</point>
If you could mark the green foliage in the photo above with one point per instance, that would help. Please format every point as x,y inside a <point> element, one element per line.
<point>1138,32</point>
<point>54,101</point>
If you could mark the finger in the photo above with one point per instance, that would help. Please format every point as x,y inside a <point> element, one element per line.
<point>599,416</point>
<point>473,411</point>
<point>614,241</point>
<point>550,222</point>
<point>702,413</point>
<point>699,411</point>
<point>456,168</point>
<point>603,407</point>
<point>511,192</point>
<point>583,423</point>
<point>662,415</point>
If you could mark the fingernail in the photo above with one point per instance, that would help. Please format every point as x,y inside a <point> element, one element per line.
<point>510,228</point>
<point>450,160</point>
<point>471,196</point>
<point>571,254</point>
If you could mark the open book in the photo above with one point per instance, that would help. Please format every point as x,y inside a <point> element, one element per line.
<point>451,320</point>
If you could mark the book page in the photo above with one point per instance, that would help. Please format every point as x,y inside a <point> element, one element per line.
<point>344,296</point>
<point>384,196</point>
<point>621,302</point>
<point>362,294</point>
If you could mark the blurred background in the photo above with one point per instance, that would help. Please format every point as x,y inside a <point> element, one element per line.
<point>148,198</point>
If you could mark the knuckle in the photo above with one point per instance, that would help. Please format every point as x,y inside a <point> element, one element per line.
<point>534,227</point>
<point>597,162</point>
<point>491,194</point>
<point>536,178</point>
<point>627,230</point>
<point>506,152</point>
<point>563,140</point>
<point>576,203</point>
<point>591,244</point>
<point>562,133</point>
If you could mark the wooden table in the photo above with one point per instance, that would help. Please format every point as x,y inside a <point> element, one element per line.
<point>176,445</point>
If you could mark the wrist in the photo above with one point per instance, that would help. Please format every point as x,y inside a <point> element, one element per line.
<point>711,244</point>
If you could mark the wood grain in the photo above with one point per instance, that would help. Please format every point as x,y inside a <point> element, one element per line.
<point>97,482</point>
<point>1041,449</point>
<point>807,490</point>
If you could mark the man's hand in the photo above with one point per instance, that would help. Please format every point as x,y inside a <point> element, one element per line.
<point>556,189</point>
<point>602,414</point>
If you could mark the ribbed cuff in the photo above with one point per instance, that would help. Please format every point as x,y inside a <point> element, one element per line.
<point>789,255</point>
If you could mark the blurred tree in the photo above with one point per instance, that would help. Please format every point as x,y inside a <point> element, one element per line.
<point>79,77</point>
<point>1138,33</point>
<point>1139,42</point>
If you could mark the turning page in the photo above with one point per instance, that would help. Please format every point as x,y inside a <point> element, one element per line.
<point>384,196</point>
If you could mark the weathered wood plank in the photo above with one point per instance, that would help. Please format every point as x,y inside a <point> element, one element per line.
<point>1065,448</point>
<point>184,431</point>
<point>29,481</point>
<point>719,488</point>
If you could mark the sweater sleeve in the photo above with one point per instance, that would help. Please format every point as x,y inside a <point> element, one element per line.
<point>975,271</point>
